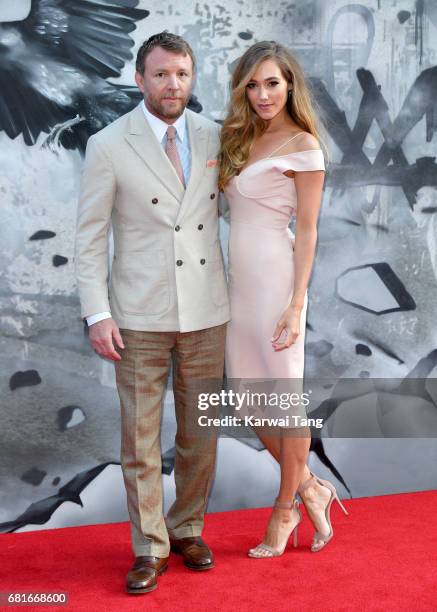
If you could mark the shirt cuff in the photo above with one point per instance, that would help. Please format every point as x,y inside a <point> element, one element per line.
<point>95,318</point>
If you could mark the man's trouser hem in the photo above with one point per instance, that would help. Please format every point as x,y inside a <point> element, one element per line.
<point>184,532</point>
<point>151,551</point>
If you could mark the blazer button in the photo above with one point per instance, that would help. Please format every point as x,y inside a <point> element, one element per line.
<point>200,227</point>
<point>202,261</point>
<point>212,196</point>
<point>179,262</point>
<point>155,201</point>
<point>177,228</point>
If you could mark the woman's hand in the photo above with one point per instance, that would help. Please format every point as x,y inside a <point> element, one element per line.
<point>288,328</point>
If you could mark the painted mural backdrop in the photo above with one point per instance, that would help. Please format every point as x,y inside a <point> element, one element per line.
<point>66,71</point>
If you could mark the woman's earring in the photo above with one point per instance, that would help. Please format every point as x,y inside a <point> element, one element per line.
<point>290,93</point>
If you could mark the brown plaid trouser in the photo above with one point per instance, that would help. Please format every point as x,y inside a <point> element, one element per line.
<point>141,380</point>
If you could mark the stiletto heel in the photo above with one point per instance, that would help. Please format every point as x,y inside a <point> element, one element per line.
<point>319,539</point>
<point>333,490</point>
<point>295,536</point>
<point>263,550</point>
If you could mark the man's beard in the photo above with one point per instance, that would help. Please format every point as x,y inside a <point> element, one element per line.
<point>166,110</point>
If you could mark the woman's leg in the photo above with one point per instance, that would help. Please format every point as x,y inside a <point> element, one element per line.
<point>293,456</point>
<point>272,442</point>
<point>290,449</point>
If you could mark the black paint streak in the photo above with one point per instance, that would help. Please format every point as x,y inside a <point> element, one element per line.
<point>349,221</point>
<point>363,349</point>
<point>56,481</point>
<point>376,108</point>
<point>381,347</point>
<point>418,28</point>
<point>424,366</point>
<point>414,384</point>
<point>395,286</point>
<point>386,351</point>
<point>392,282</point>
<point>403,16</point>
<point>34,476</point>
<point>421,100</point>
<point>355,168</point>
<point>245,35</point>
<point>317,447</point>
<point>28,378</point>
<point>42,235</point>
<point>40,512</point>
<point>379,227</point>
<point>59,260</point>
<point>410,178</point>
<point>64,416</point>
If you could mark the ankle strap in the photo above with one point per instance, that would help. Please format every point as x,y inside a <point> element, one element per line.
<point>286,505</point>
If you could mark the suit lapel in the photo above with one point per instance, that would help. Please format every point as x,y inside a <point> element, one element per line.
<point>198,136</point>
<point>142,139</point>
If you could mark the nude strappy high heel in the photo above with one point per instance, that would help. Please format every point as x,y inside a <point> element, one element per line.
<point>320,540</point>
<point>263,551</point>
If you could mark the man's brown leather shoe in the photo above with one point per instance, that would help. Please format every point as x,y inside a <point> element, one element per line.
<point>197,555</point>
<point>142,577</point>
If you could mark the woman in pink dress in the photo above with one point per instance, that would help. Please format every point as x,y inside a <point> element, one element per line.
<point>271,169</point>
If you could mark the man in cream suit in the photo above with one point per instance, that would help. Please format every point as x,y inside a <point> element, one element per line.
<point>152,174</point>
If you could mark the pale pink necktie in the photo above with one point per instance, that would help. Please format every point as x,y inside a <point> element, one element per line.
<point>173,154</point>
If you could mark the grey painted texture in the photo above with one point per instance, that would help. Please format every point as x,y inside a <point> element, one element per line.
<point>373,68</point>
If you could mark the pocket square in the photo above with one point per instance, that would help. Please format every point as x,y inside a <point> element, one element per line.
<point>211,163</point>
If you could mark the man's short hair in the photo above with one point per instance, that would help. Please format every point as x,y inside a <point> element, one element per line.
<point>165,40</point>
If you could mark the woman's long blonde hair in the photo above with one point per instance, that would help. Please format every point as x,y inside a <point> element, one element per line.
<point>243,125</point>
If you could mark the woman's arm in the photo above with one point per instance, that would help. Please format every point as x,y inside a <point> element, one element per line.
<point>309,187</point>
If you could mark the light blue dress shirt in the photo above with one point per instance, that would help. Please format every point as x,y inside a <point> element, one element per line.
<point>159,128</point>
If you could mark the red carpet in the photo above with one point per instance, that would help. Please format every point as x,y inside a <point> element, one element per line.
<point>382,557</point>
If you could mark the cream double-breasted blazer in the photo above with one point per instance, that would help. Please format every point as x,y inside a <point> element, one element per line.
<point>167,271</point>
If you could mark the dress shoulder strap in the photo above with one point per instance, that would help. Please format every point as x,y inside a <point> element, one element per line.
<point>284,143</point>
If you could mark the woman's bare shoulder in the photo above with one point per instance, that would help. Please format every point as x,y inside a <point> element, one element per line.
<point>301,141</point>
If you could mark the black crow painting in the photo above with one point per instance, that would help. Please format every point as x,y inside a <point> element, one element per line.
<point>54,66</point>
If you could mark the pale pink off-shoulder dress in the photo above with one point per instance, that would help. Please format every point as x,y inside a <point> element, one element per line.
<point>262,201</point>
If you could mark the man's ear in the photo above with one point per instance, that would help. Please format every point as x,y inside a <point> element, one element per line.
<point>139,80</point>
<point>193,81</point>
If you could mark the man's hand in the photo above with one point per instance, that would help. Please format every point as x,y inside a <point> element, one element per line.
<point>102,337</point>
